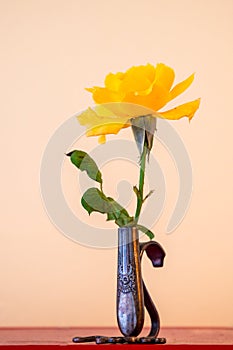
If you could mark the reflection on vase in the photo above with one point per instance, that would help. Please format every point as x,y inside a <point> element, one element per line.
<point>130,300</point>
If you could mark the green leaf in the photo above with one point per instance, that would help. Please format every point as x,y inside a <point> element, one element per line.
<point>146,231</point>
<point>124,220</point>
<point>116,210</point>
<point>85,163</point>
<point>95,200</point>
<point>119,214</point>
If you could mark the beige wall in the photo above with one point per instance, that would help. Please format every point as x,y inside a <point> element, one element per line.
<point>50,51</point>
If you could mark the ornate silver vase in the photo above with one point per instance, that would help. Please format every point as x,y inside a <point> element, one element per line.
<point>132,294</point>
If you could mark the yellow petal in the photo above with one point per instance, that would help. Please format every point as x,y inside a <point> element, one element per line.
<point>181,87</point>
<point>147,71</point>
<point>102,139</point>
<point>90,89</point>
<point>106,129</point>
<point>185,110</point>
<point>122,109</point>
<point>164,76</point>
<point>102,123</point>
<point>88,117</point>
<point>155,100</point>
<point>113,81</point>
<point>138,79</point>
<point>103,95</point>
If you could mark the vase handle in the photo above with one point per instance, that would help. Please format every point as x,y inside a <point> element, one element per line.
<point>156,254</point>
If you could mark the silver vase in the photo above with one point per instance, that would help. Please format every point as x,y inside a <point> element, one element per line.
<point>132,294</point>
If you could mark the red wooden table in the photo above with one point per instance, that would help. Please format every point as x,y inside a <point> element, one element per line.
<point>54,338</point>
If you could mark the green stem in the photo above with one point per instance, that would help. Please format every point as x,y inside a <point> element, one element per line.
<point>101,186</point>
<point>141,183</point>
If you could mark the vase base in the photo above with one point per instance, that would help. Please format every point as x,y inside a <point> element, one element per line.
<point>99,339</point>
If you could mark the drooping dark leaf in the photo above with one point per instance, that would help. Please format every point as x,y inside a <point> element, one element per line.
<point>145,230</point>
<point>85,163</point>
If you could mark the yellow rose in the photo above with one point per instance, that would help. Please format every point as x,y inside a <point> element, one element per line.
<point>146,86</point>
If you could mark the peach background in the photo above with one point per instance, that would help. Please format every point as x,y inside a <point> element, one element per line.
<point>50,51</point>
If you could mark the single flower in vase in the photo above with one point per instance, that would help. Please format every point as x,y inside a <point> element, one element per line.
<point>131,99</point>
